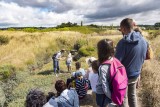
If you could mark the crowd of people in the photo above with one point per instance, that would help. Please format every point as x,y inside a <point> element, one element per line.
<point>121,66</point>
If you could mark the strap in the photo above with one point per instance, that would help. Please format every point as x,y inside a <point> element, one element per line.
<point>68,101</point>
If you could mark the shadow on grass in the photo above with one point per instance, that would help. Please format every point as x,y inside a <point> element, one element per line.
<point>87,101</point>
<point>47,72</point>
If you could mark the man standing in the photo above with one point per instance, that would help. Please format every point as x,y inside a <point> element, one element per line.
<point>56,57</point>
<point>131,51</point>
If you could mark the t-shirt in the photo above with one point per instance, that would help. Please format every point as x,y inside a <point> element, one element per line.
<point>69,60</point>
<point>58,56</point>
<point>93,78</point>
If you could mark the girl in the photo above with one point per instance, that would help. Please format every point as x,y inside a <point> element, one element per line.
<point>105,52</point>
<point>69,61</point>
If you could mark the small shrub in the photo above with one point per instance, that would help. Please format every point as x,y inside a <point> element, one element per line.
<point>4,40</point>
<point>7,72</point>
<point>86,51</point>
<point>80,43</point>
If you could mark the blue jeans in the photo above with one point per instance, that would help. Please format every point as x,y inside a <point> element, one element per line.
<point>56,66</point>
<point>102,100</point>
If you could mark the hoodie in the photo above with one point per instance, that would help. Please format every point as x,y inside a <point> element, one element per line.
<point>68,98</point>
<point>131,51</point>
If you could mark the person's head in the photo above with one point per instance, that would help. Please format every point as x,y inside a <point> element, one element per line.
<point>60,86</point>
<point>90,60</point>
<point>105,50</point>
<point>127,25</point>
<point>35,98</point>
<point>63,50</point>
<point>78,65</point>
<point>79,75</point>
<point>95,66</point>
<point>69,55</point>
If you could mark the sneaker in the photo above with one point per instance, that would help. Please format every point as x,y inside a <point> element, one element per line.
<point>56,75</point>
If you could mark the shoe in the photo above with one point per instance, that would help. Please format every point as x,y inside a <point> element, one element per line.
<point>56,75</point>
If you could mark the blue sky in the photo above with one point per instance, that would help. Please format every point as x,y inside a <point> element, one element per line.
<point>47,13</point>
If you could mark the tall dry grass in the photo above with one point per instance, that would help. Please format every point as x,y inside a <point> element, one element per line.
<point>24,47</point>
<point>150,77</point>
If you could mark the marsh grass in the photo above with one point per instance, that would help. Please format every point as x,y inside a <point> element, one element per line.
<point>34,50</point>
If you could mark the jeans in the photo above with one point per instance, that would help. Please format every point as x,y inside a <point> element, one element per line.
<point>131,97</point>
<point>56,66</point>
<point>102,100</point>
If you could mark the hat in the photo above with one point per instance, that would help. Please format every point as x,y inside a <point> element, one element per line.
<point>78,74</point>
<point>90,60</point>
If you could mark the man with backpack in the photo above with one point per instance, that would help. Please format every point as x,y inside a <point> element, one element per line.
<point>56,57</point>
<point>131,51</point>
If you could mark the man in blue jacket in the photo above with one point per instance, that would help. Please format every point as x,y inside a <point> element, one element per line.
<point>131,51</point>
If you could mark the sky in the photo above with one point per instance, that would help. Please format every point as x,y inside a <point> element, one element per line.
<point>49,13</point>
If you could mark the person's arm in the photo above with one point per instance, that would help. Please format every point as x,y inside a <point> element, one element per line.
<point>77,86</point>
<point>120,51</point>
<point>104,72</point>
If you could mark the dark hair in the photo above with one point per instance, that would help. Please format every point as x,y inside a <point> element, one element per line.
<point>50,95</point>
<point>35,98</point>
<point>60,86</point>
<point>78,65</point>
<point>95,65</point>
<point>105,50</point>
<point>127,23</point>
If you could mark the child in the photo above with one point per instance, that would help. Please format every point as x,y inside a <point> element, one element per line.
<point>93,77</point>
<point>69,61</point>
<point>79,69</point>
<point>103,92</point>
<point>81,85</point>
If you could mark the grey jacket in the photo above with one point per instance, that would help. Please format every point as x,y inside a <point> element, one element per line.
<point>103,81</point>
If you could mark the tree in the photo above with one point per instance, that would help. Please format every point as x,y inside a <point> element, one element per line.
<point>81,23</point>
<point>157,24</point>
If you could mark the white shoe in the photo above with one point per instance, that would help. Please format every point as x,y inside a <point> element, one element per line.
<point>56,75</point>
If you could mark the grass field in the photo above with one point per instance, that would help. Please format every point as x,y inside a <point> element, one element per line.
<point>30,56</point>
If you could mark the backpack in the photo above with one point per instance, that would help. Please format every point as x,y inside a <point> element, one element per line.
<point>118,80</point>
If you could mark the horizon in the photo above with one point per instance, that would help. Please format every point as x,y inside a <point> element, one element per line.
<point>50,13</point>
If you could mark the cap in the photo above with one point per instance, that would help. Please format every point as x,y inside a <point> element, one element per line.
<point>90,60</point>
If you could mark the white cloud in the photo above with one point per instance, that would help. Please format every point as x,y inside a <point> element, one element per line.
<point>12,14</point>
<point>53,12</point>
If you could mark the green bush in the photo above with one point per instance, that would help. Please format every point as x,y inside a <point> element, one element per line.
<point>7,72</point>
<point>30,30</point>
<point>4,40</point>
<point>79,43</point>
<point>85,51</point>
